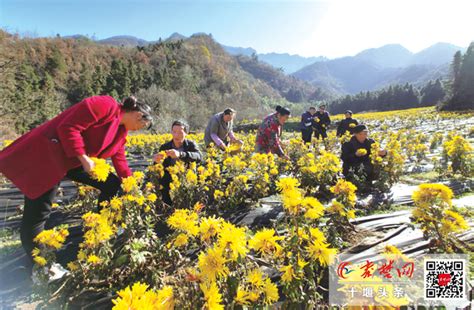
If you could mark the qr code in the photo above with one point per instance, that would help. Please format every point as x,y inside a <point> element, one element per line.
<point>445,279</point>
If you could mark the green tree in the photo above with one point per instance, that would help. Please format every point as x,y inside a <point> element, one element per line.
<point>462,92</point>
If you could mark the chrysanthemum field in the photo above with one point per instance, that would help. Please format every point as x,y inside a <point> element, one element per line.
<point>249,230</point>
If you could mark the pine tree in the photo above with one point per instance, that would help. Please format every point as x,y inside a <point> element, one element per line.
<point>462,91</point>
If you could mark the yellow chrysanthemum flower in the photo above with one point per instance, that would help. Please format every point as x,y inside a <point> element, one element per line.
<point>184,220</point>
<point>271,292</point>
<point>52,237</point>
<point>129,183</point>
<point>265,241</point>
<point>430,194</point>
<point>287,184</point>
<point>101,169</point>
<point>361,152</point>
<point>233,240</point>
<point>212,264</point>
<point>40,260</point>
<point>94,259</point>
<point>321,252</point>
<point>212,296</point>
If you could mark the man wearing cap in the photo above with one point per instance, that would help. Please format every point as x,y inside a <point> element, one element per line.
<point>322,122</point>
<point>307,124</point>
<point>353,155</point>
<point>347,124</point>
<point>219,129</point>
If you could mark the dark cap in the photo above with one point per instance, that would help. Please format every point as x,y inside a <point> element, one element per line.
<point>283,111</point>
<point>229,111</point>
<point>348,111</point>
<point>360,128</point>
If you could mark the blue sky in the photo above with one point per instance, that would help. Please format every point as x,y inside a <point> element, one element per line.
<point>309,28</point>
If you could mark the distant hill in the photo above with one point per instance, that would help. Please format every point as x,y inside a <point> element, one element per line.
<point>188,78</point>
<point>291,88</point>
<point>379,67</point>
<point>371,69</point>
<point>289,63</point>
<point>235,51</point>
<point>124,41</point>
<point>437,54</point>
<point>176,36</point>
<point>266,67</point>
<point>388,56</point>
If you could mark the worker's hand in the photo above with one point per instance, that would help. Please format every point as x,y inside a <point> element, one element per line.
<point>159,157</point>
<point>87,163</point>
<point>382,152</point>
<point>173,154</point>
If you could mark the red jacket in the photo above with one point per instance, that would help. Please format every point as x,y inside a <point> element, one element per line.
<point>39,159</point>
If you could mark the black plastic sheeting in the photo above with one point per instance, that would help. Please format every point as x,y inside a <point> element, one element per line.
<point>393,228</point>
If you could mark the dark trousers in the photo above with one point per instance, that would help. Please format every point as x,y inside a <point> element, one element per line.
<point>307,134</point>
<point>321,132</point>
<point>37,211</point>
<point>165,182</point>
<point>366,167</point>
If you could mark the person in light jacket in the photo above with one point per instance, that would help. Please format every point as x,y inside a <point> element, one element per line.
<point>219,129</point>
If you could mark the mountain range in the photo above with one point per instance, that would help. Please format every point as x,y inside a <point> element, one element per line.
<point>370,69</point>
<point>376,68</point>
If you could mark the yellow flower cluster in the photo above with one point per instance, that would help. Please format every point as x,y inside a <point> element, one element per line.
<point>235,163</point>
<point>319,249</point>
<point>185,221</point>
<point>265,242</point>
<point>294,201</point>
<point>53,238</point>
<point>98,229</point>
<point>346,190</point>
<point>361,152</point>
<point>101,169</point>
<point>318,170</point>
<point>139,297</point>
<point>436,215</point>
<point>256,286</point>
<point>50,240</point>
<point>429,195</point>
<point>458,151</point>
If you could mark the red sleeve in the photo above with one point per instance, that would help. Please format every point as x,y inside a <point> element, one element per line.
<point>85,114</point>
<point>120,163</point>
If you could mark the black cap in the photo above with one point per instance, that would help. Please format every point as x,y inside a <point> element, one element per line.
<point>283,111</point>
<point>348,111</point>
<point>360,128</point>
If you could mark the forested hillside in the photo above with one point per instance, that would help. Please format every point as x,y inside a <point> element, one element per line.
<point>189,79</point>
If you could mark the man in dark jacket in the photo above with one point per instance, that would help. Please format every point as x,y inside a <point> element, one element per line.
<point>347,124</point>
<point>179,148</point>
<point>322,122</point>
<point>356,153</point>
<point>307,124</point>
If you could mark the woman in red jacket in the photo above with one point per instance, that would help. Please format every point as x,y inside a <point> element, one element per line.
<point>269,132</point>
<point>37,161</point>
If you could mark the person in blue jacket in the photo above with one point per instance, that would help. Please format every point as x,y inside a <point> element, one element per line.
<point>307,124</point>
